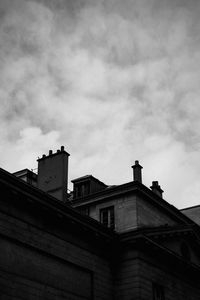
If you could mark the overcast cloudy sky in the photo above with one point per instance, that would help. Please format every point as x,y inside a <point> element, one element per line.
<point>113,81</point>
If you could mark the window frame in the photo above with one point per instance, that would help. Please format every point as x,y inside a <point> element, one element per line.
<point>109,214</point>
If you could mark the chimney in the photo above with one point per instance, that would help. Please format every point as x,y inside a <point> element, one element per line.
<point>156,188</point>
<point>137,172</point>
<point>53,173</point>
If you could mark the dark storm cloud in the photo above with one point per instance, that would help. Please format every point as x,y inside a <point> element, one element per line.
<point>115,81</point>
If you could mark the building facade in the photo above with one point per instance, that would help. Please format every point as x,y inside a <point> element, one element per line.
<point>121,242</point>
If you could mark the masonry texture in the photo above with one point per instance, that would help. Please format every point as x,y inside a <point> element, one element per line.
<point>100,242</point>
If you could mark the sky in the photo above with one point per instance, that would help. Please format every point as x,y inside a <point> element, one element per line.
<point>113,81</point>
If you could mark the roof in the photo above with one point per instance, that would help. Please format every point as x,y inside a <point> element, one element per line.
<point>34,196</point>
<point>136,187</point>
<point>24,171</point>
<point>40,198</point>
<point>193,213</point>
<point>190,207</point>
<point>88,177</point>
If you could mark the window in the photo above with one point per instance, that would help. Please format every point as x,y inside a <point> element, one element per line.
<point>107,217</point>
<point>82,189</point>
<point>86,188</point>
<point>158,292</point>
<point>78,191</point>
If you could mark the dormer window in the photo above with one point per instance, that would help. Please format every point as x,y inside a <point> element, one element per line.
<point>107,217</point>
<point>82,189</point>
<point>86,185</point>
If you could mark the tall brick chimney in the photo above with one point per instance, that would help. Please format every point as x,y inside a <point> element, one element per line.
<point>137,172</point>
<point>53,173</point>
<point>156,188</point>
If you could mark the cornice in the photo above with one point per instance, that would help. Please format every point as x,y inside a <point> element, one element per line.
<point>138,189</point>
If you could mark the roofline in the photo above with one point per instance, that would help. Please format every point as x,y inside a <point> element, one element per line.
<point>190,207</point>
<point>88,177</point>
<point>53,154</point>
<point>64,209</point>
<point>23,170</point>
<point>127,188</point>
<point>159,230</point>
<point>99,194</point>
<point>142,240</point>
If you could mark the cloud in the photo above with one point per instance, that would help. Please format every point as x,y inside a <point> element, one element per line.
<point>112,81</point>
<point>23,152</point>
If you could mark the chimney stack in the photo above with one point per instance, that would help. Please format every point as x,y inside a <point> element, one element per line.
<point>53,173</point>
<point>156,188</point>
<point>137,172</point>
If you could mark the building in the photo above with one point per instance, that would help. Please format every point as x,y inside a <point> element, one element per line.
<point>102,242</point>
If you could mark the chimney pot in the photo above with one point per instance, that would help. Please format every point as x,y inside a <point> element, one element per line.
<point>137,172</point>
<point>62,148</point>
<point>58,151</point>
<point>50,152</point>
<point>43,156</point>
<point>156,188</point>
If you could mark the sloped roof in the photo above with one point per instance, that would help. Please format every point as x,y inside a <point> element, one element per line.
<point>89,177</point>
<point>9,182</point>
<point>193,213</point>
<point>136,187</point>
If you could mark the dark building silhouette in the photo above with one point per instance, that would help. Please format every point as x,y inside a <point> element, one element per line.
<point>97,242</point>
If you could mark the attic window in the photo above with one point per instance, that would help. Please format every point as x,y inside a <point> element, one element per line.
<point>185,251</point>
<point>82,189</point>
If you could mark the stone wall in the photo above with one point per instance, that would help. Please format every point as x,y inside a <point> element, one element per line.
<point>46,255</point>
